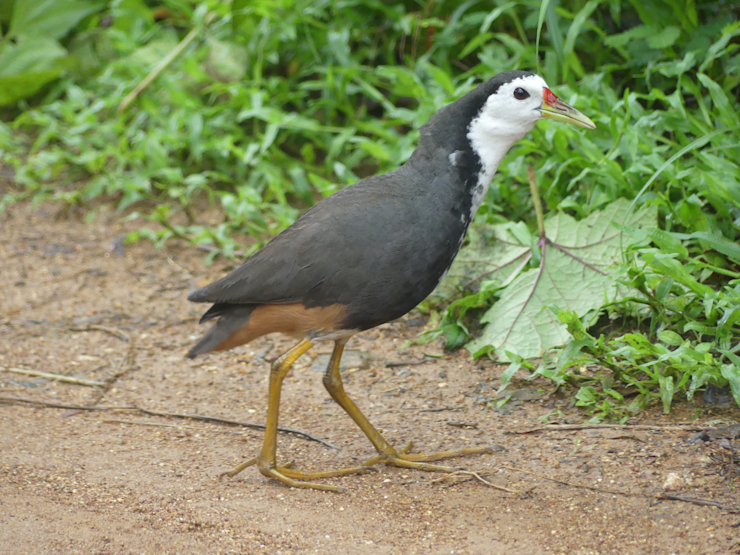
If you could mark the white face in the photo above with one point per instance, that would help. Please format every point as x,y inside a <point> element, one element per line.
<point>509,114</point>
<point>517,105</point>
<point>506,117</point>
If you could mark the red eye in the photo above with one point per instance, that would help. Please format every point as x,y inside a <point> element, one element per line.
<point>520,93</point>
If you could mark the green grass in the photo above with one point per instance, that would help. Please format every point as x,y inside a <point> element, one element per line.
<point>273,105</point>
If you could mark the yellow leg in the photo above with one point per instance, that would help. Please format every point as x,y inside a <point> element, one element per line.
<point>386,453</point>
<point>278,371</point>
<point>266,460</point>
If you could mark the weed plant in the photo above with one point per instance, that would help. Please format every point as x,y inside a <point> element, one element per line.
<point>263,107</point>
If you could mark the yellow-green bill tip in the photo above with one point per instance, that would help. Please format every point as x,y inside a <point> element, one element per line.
<point>555,109</point>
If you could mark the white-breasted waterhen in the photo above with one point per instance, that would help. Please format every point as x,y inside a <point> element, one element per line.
<point>371,252</point>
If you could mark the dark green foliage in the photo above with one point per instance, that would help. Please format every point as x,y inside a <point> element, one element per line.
<point>272,105</point>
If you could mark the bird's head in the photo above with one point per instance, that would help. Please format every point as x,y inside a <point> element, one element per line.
<point>515,102</point>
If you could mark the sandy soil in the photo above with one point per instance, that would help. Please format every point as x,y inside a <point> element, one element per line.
<point>73,301</point>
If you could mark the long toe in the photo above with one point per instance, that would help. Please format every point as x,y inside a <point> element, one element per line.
<point>237,469</point>
<point>301,479</point>
<point>419,461</point>
<point>274,473</point>
<point>297,478</point>
<point>315,475</point>
<point>441,455</point>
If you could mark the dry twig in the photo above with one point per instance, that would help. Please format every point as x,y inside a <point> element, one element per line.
<point>160,425</point>
<point>123,366</point>
<point>51,376</point>
<point>697,501</point>
<point>69,276</point>
<point>460,424</point>
<point>477,477</point>
<point>660,496</point>
<point>159,68</point>
<point>572,485</point>
<point>408,363</point>
<point>112,331</point>
<point>201,417</point>
<point>568,427</point>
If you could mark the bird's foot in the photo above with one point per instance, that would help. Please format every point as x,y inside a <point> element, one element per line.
<point>420,461</point>
<point>298,478</point>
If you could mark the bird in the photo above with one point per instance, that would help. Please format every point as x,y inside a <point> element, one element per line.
<point>370,253</point>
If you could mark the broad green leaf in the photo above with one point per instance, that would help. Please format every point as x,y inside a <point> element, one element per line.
<point>575,29</point>
<point>492,254</point>
<point>153,52</point>
<point>477,42</point>
<point>518,321</point>
<point>16,87</point>
<point>731,372</point>
<point>49,18</point>
<point>6,10</point>
<point>717,242</point>
<point>670,338</point>
<point>693,145</point>
<point>507,374</point>
<point>270,135</point>
<point>226,61</point>
<point>586,396</point>
<point>30,55</point>
<point>128,15</point>
<point>667,242</point>
<point>27,66</point>
<point>664,288</point>
<point>441,77</point>
<point>721,46</point>
<point>675,269</point>
<point>639,32</point>
<point>665,38</point>
<point>238,14</point>
<point>667,390</point>
<point>719,97</point>
<point>540,22</point>
<point>376,150</point>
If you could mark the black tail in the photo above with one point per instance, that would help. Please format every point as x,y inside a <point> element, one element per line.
<point>232,318</point>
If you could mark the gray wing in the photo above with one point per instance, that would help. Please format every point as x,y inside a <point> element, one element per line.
<point>326,255</point>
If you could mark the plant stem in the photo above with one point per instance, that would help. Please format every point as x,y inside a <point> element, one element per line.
<point>537,201</point>
<point>166,61</point>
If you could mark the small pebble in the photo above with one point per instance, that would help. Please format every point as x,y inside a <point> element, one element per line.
<point>673,482</point>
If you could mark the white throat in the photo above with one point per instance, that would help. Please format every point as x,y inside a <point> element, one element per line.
<point>490,139</point>
<point>503,120</point>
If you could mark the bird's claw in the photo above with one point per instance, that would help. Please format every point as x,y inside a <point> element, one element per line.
<point>420,461</point>
<point>297,478</point>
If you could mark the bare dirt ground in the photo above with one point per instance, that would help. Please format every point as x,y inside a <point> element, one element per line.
<point>73,301</point>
